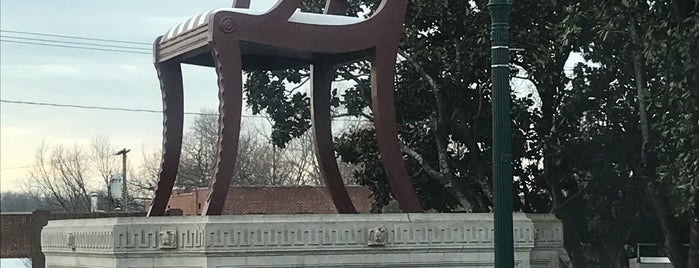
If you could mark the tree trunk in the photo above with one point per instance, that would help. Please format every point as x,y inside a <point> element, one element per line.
<point>693,255</point>
<point>669,228</point>
<point>621,260</point>
<point>613,257</point>
<point>649,162</point>
<point>613,248</point>
<point>439,120</point>
<point>573,227</point>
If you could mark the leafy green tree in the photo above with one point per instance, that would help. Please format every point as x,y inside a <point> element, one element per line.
<point>444,120</point>
<point>578,144</point>
<point>655,43</point>
<point>582,148</point>
<point>671,45</point>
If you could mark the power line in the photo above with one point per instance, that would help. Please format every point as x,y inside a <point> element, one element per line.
<point>74,43</point>
<point>98,107</point>
<point>39,165</point>
<point>77,37</point>
<point>122,109</point>
<point>53,42</point>
<point>56,162</point>
<point>76,47</point>
<point>23,167</point>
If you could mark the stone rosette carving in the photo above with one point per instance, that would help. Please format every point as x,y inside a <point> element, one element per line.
<point>377,237</point>
<point>168,239</point>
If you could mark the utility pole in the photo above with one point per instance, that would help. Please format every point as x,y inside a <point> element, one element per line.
<point>124,190</point>
<point>502,133</point>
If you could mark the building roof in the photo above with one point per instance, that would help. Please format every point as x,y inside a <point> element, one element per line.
<point>272,200</point>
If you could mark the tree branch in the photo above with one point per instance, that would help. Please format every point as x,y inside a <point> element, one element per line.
<point>419,69</point>
<point>426,166</point>
<point>439,177</point>
<point>440,122</point>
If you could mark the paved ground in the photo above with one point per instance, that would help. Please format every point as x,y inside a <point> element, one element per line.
<point>14,263</point>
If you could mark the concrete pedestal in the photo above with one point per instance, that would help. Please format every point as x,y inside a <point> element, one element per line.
<point>360,240</point>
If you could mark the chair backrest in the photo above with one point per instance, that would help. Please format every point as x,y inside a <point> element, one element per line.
<point>338,7</point>
<point>332,7</point>
<point>262,4</point>
<point>254,4</point>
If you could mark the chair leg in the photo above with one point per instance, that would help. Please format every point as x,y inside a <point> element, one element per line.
<point>383,70</point>
<point>170,76</point>
<point>230,95</point>
<point>322,76</point>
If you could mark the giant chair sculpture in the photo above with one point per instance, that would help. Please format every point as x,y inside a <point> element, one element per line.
<point>249,37</point>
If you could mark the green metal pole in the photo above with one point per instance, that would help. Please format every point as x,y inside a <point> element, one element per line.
<point>502,133</point>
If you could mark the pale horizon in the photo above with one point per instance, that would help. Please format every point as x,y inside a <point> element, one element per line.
<point>60,75</point>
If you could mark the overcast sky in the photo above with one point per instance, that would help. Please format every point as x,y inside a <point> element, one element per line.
<point>85,77</point>
<point>93,78</point>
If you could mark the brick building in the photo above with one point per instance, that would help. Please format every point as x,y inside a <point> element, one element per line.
<point>271,200</point>
<point>15,240</point>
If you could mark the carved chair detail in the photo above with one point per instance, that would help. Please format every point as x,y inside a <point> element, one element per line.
<point>264,34</point>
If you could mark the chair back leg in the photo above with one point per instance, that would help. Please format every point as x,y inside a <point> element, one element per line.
<point>321,80</point>
<point>383,70</point>
<point>170,76</point>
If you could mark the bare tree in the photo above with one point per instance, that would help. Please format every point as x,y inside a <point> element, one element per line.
<point>254,162</point>
<point>199,151</point>
<point>18,202</point>
<point>259,162</point>
<point>60,177</point>
<point>299,165</point>
<point>103,160</point>
<point>262,163</point>
<point>145,175</point>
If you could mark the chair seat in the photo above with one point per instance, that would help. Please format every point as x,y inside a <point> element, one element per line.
<point>323,41</point>
<point>202,20</point>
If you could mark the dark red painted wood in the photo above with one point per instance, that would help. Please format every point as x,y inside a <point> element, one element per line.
<point>322,46</point>
<point>230,96</point>
<point>383,71</point>
<point>322,75</point>
<point>170,76</point>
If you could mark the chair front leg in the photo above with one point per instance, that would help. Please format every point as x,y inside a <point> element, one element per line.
<point>322,76</point>
<point>383,70</point>
<point>225,52</point>
<point>170,76</point>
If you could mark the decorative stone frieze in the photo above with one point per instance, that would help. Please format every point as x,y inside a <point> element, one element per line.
<point>362,240</point>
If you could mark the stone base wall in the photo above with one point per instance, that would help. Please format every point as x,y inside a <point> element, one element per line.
<point>360,240</point>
